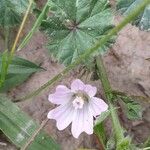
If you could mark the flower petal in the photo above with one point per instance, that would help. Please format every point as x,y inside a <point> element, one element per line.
<point>90,90</point>
<point>97,106</point>
<point>61,96</point>
<point>77,85</point>
<point>82,121</point>
<point>63,115</point>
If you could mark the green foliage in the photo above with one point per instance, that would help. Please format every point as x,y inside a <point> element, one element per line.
<point>124,144</point>
<point>11,11</point>
<point>19,70</point>
<point>133,109</point>
<point>18,127</point>
<point>143,20</point>
<point>99,130</point>
<point>41,15</point>
<point>147,142</point>
<point>102,117</point>
<point>110,145</point>
<point>3,67</point>
<point>73,26</point>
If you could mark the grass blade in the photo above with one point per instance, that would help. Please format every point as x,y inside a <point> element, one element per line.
<point>35,27</point>
<point>18,127</point>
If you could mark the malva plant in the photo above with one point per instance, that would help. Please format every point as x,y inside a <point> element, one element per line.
<point>79,32</point>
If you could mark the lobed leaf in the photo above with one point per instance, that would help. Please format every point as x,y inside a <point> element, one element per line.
<point>19,127</point>
<point>73,26</point>
<point>143,20</point>
<point>11,11</point>
<point>133,109</point>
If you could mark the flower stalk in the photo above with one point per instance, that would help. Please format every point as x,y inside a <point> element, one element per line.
<point>91,50</point>
<point>108,93</point>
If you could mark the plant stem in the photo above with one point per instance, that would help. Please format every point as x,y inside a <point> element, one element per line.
<point>35,27</point>
<point>10,56</point>
<point>6,37</point>
<point>107,89</point>
<point>103,76</point>
<point>91,50</point>
<point>20,30</point>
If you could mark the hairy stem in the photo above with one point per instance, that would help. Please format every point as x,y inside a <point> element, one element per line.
<point>107,89</point>
<point>91,50</point>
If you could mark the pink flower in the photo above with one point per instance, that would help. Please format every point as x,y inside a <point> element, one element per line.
<point>77,105</point>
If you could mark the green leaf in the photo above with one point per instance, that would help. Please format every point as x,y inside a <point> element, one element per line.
<point>19,127</point>
<point>99,127</point>
<point>143,20</point>
<point>99,130</point>
<point>21,66</point>
<point>110,145</point>
<point>133,109</point>
<point>102,117</point>
<point>11,11</point>
<point>147,142</point>
<point>19,71</point>
<point>74,26</point>
<point>13,80</point>
<point>124,144</point>
<point>3,68</point>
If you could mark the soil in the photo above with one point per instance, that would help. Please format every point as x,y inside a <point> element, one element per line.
<point>128,67</point>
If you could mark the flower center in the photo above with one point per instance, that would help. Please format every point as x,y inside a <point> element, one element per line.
<point>78,102</point>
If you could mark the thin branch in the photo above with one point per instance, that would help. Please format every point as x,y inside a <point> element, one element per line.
<point>91,50</point>
<point>108,93</point>
<point>32,138</point>
<point>35,27</point>
<point>20,29</point>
